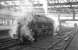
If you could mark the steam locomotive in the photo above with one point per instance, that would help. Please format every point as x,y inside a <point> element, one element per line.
<point>39,26</point>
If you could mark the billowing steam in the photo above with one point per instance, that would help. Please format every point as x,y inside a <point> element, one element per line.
<point>23,13</point>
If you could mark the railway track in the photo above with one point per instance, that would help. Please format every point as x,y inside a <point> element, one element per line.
<point>51,46</point>
<point>64,43</point>
<point>6,43</point>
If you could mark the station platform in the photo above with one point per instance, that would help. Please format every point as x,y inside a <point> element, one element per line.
<point>74,43</point>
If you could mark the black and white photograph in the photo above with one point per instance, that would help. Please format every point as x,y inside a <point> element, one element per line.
<point>38,24</point>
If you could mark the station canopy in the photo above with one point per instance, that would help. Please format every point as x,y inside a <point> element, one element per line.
<point>55,6</point>
<point>63,6</point>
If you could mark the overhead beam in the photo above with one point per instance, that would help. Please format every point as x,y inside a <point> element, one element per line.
<point>67,12</point>
<point>70,3</point>
<point>61,12</point>
<point>6,0</point>
<point>63,7</point>
<point>69,20</point>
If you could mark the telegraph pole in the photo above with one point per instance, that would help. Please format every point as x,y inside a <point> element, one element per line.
<point>72,9</point>
<point>73,14</point>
